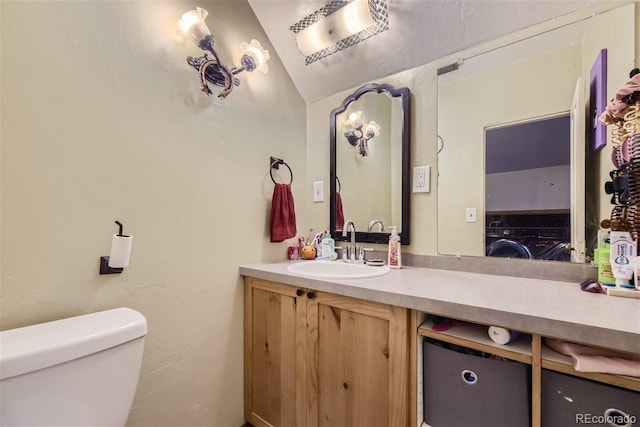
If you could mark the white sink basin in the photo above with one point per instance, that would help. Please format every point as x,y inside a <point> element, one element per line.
<point>336,270</point>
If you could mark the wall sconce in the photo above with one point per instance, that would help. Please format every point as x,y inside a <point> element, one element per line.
<point>339,25</point>
<point>359,134</point>
<point>254,57</point>
<point>120,253</point>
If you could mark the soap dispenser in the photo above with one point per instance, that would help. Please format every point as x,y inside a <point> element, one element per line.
<point>395,258</point>
<point>328,245</point>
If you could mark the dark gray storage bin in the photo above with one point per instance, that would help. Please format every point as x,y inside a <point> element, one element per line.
<point>468,390</point>
<point>569,401</point>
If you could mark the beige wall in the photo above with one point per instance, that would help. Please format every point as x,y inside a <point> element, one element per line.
<point>102,119</point>
<point>423,83</point>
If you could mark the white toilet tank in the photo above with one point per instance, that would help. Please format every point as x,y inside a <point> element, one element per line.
<point>80,371</point>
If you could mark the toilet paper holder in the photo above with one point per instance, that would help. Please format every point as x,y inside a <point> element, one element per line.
<point>120,253</point>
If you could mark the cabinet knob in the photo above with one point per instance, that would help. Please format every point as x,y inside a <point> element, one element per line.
<point>299,292</point>
<point>311,295</point>
<point>469,377</point>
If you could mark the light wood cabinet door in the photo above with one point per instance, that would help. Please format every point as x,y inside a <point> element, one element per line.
<point>318,359</point>
<point>275,340</point>
<point>357,362</point>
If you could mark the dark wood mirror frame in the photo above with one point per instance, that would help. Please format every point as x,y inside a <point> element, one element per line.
<point>363,236</point>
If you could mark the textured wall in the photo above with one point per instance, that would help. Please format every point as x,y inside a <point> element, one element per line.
<point>423,83</point>
<point>420,31</point>
<point>102,119</point>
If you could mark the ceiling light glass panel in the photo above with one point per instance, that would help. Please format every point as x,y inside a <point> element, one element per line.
<point>339,25</point>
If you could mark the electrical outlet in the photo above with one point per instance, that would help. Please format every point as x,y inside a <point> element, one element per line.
<point>421,177</point>
<point>318,191</point>
<point>471,215</point>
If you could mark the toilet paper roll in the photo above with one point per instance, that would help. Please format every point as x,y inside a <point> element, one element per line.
<point>501,335</point>
<point>120,251</point>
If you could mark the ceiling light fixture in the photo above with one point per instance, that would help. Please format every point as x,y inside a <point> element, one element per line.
<point>254,57</point>
<point>339,25</point>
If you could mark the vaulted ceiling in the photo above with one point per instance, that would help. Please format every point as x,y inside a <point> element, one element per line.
<point>420,31</point>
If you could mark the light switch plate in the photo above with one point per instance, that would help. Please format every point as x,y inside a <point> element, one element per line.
<point>318,191</point>
<point>471,215</point>
<point>421,177</point>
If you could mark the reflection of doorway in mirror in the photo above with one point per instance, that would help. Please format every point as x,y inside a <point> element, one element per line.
<point>538,87</point>
<point>527,189</point>
<point>538,75</point>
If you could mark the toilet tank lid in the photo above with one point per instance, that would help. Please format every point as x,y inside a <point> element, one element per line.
<point>40,346</point>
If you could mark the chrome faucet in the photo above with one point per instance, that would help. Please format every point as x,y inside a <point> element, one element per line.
<point>351,251</point>
<point>374,223</point>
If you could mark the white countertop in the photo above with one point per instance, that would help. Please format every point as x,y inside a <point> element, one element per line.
<point>546,307</point>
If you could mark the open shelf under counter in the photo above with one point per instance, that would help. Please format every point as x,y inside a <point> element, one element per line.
<point>558,362</point>
<point>476,337</point>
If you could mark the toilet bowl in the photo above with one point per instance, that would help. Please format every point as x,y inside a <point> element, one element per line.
<point>79,371</point>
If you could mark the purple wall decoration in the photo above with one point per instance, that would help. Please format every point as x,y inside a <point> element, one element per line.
<point>597,101</point>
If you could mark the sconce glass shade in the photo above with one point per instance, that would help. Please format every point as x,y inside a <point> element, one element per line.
<point>254,57</point>
<point>343,23</point>
<point>192,25</point>
<point>371,130</point>
<point>355,120</point>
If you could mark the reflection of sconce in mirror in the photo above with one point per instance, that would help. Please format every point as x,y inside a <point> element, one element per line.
<point>359,134</point>
<point>339,25</point>
<point>254,57</point>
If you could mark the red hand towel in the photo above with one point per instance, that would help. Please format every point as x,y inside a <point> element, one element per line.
<point>339,212</point>
<point>283,214</point>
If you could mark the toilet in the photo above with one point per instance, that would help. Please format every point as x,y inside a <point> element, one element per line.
<point>79,371</point>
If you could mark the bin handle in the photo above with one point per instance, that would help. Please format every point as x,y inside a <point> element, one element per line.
<point>469,377</point>
<point>612,416</point>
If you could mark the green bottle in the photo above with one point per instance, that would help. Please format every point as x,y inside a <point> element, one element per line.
<point>601,257</point>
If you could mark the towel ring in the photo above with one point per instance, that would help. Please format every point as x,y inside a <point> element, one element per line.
<point>440,144</point>
<point>275,163</point>
<point>339,185</point>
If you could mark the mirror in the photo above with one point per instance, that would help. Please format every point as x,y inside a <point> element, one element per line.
<point>369,164</point>
<point>536,194</point>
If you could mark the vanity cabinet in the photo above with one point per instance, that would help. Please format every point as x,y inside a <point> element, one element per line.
<point>318,359</point>
<point>551,373</point>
